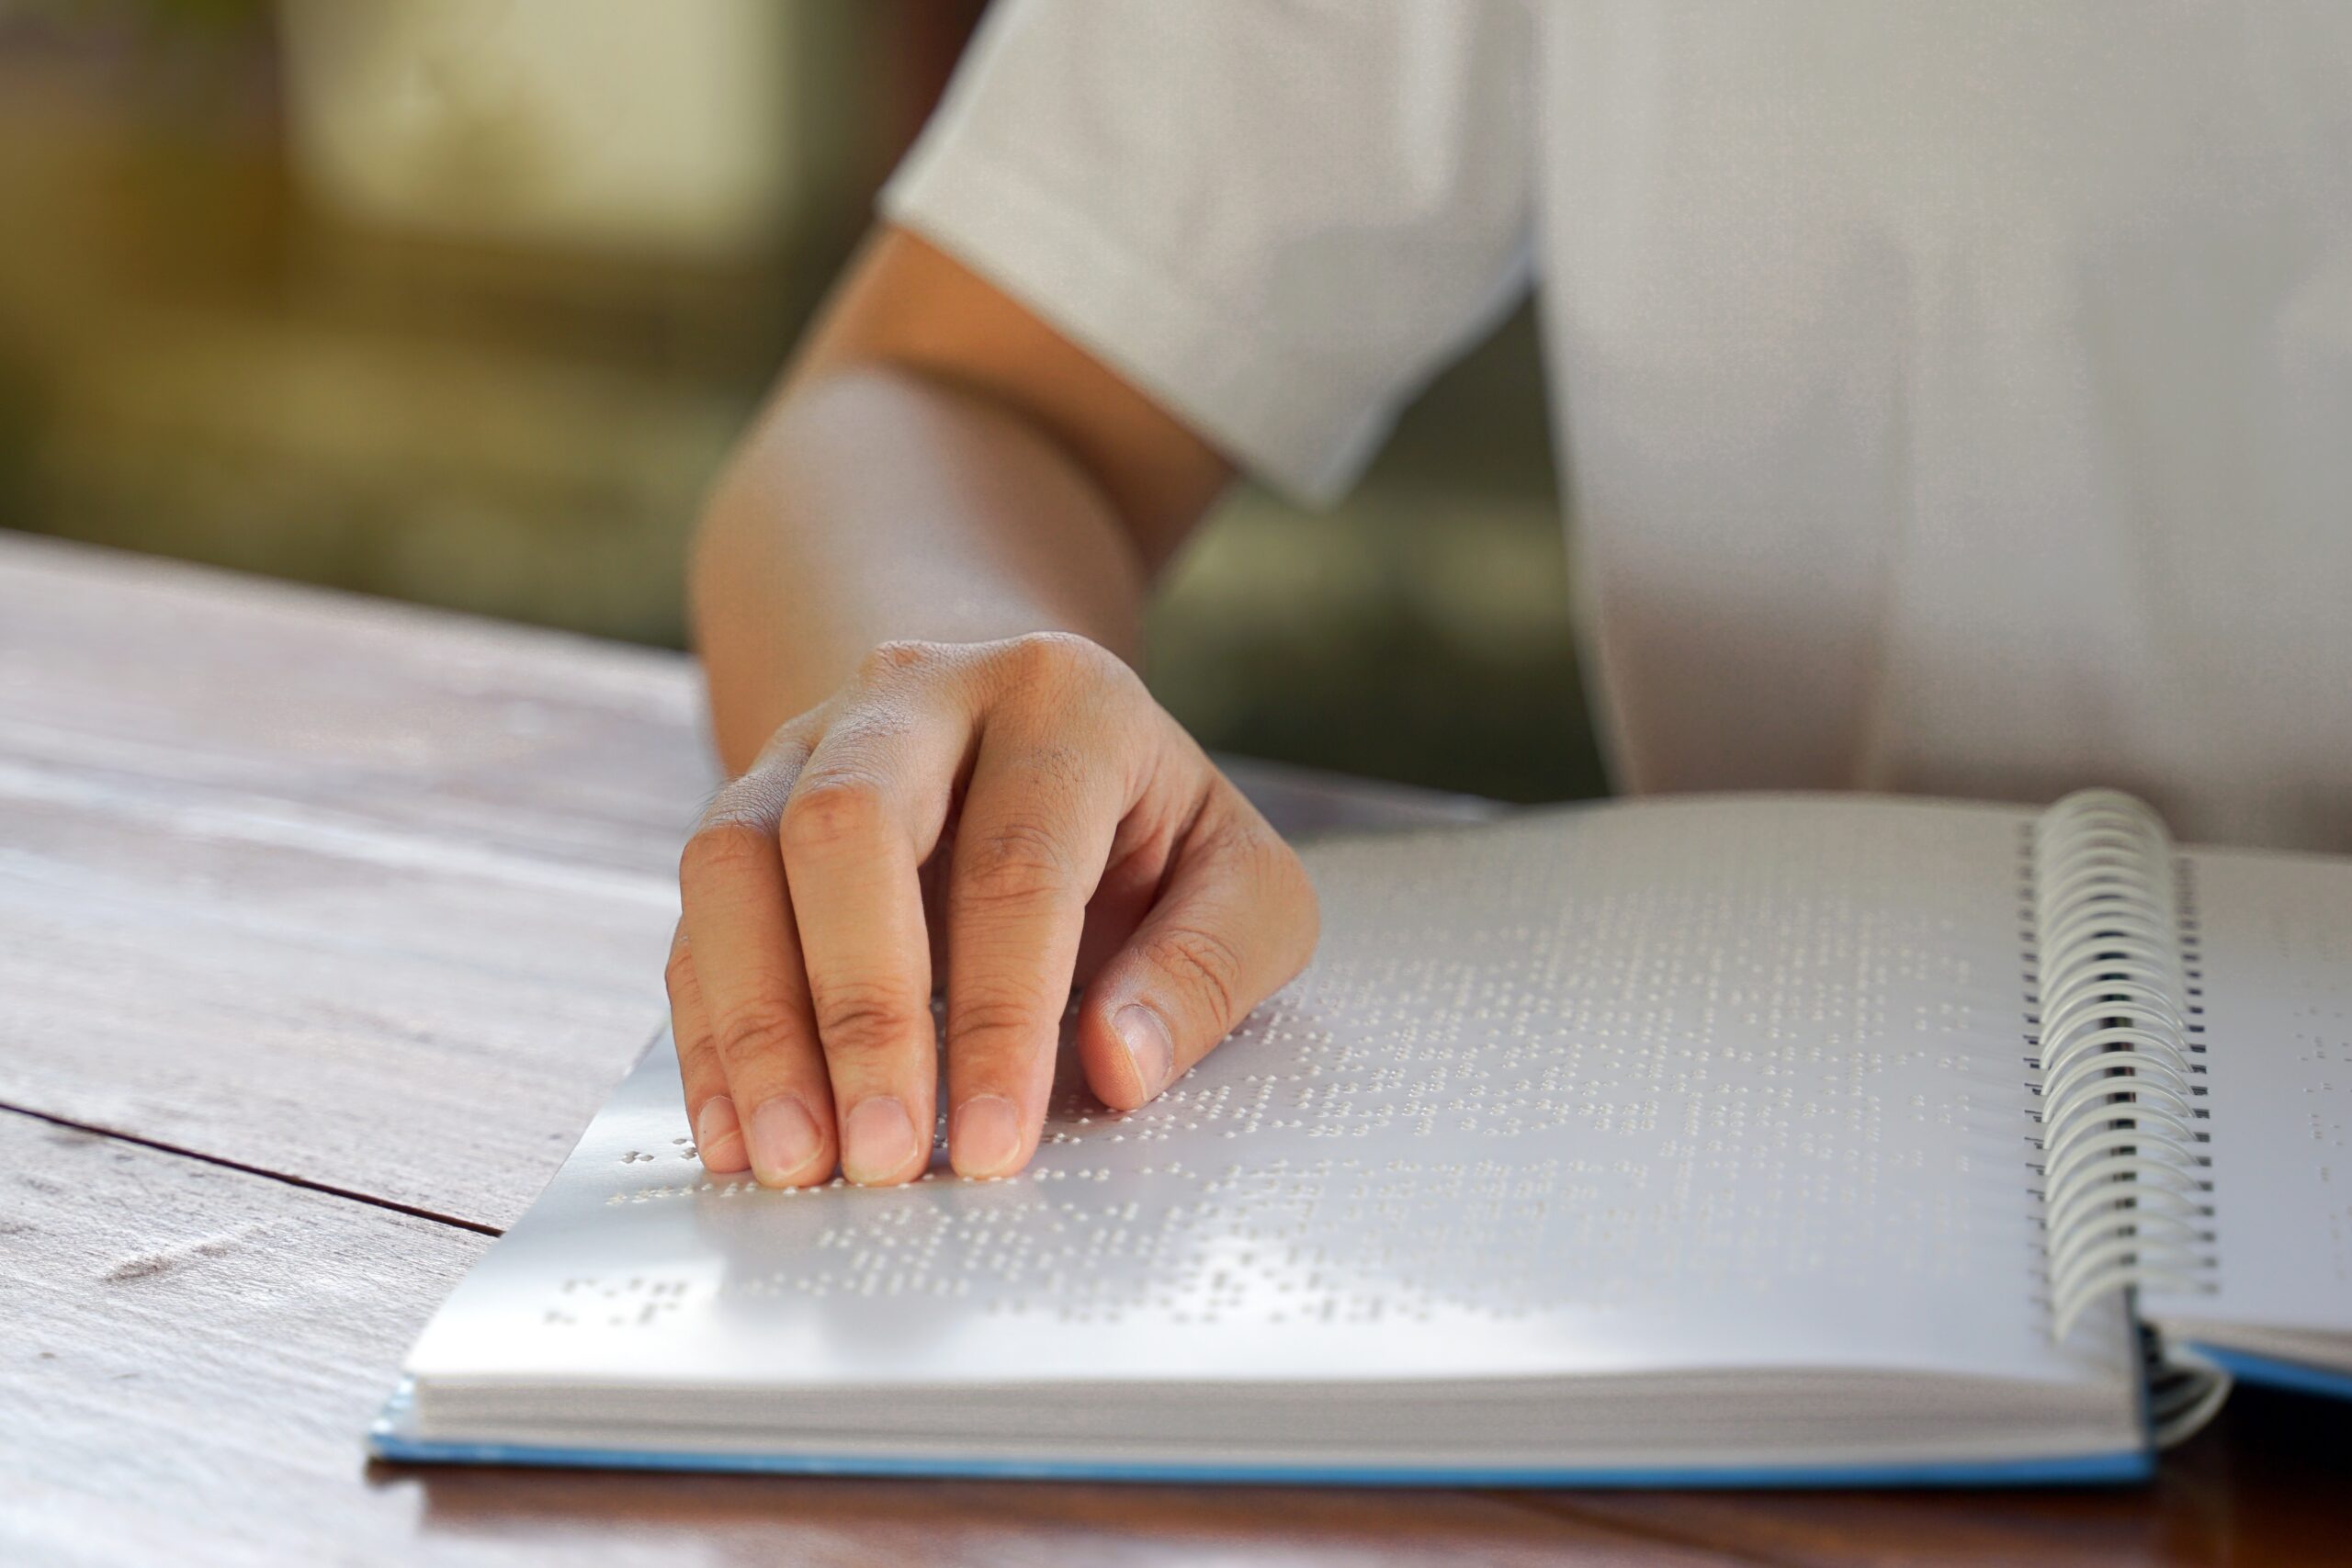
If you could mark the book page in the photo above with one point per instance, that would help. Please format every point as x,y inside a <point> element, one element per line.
<point>1708,1084</point>
<point>2274,968</point>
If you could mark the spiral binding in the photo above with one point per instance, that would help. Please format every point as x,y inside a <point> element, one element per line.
<point>2126,1189</point>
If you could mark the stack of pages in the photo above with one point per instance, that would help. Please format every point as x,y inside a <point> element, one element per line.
<point>1745,1140</point>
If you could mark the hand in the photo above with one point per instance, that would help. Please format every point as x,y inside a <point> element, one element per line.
<point>1020,811</point>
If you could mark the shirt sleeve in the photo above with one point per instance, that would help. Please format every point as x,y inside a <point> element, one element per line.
<point>1276,218</point>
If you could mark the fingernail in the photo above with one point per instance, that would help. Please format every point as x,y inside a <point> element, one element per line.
<point>783,1139</point>
<point>1146,1039</point>
<point>719,1135</point>
<point>877,1139</point>
<point>985,1138</point>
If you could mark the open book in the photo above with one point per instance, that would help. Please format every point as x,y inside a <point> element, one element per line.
<point>1721,1140</point>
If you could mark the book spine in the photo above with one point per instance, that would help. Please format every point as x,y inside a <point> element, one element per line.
<point>2126,1183</point>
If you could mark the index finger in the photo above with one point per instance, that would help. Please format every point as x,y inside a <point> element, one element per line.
<point>754,990</point>
<point>865,813</point>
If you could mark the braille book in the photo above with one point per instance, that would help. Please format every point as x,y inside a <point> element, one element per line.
<point>1740,1140</point>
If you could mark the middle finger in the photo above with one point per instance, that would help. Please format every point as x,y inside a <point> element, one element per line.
<point>867,809</point>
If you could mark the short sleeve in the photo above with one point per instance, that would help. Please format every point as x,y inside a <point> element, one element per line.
<point>1276,218</point>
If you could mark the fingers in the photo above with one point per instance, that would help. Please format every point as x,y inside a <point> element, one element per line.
<point>1236,920</point>
<point>719,1132</point>
<point>865,813</point>
<point>748,986</point>
<point>1036,826</point>
<point>1091,838</point>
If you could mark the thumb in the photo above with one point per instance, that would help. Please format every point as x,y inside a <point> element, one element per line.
<point>1235,921</point>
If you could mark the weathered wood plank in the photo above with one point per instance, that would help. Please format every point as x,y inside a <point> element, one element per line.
<point>188,1351</point>
<point>434,1033</point>
<point>338,711</point>
<point>192,1353</point>
<point>343,711</point>
<point>374,897</point>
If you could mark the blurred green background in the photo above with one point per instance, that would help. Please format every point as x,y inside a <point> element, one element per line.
<point>462,300</point>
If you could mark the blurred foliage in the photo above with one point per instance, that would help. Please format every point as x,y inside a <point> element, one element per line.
<point>198,360</point>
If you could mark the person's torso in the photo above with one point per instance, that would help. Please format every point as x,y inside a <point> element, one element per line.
<point>1959,396</point>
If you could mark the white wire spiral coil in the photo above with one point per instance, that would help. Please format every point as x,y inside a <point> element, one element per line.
<point>2125,1190</point>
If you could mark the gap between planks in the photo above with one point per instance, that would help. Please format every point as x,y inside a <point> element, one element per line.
<point>413,1211</point>
<point>1632,1531</point>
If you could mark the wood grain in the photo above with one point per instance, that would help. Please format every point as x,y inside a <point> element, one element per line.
<point>189,1352</point>
<point>373,898</point>
<point>436,1030</point>
<point>192,1354</point>
<point>334,712</point>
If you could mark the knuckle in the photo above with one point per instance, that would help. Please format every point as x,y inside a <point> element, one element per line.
<point>866,1018</point>
<point>678,974</point>
<point>758,1035</point>
<point>1013,861</point>
<point>771,772</point>
<point>722,849</point>
<point>1001,1015</point>
<point>1205,966</point>
<point>1224,829</point>
<point>826,814</point>
<point>755,799</point>
<point>898,657</point>
<point>1272,870</point>
<point>869,727</point>
<point>1039,661</point>
<point>699,1060</point>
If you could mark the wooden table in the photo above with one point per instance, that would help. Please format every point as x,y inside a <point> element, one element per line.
<point>324,927</point>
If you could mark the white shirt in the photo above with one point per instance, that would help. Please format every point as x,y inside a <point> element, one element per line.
<point>1951,396</point>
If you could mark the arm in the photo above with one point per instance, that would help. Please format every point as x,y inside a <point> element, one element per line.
<point>938,464</point>
<point>913,592</point>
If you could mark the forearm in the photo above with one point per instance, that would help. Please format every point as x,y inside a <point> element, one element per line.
<point>944,466</point>
<point>869,506</point>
